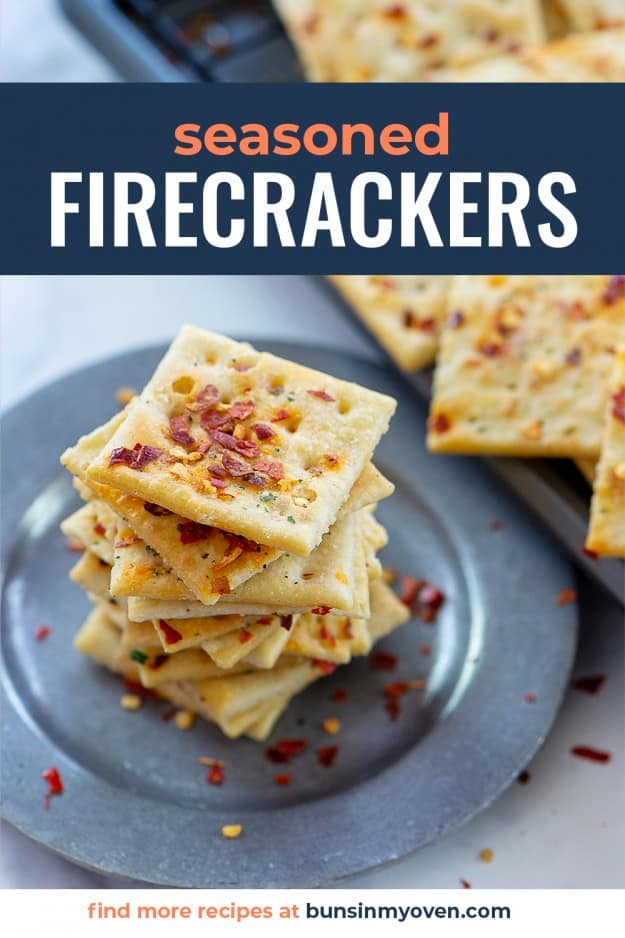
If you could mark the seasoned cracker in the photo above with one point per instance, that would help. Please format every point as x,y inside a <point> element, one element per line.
<point>607,518</point>
<point>524,369</point>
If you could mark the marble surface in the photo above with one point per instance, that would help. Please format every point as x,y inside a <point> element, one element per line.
<point>566,828</point>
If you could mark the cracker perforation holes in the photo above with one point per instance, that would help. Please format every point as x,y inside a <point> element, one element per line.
<point>183,385</point>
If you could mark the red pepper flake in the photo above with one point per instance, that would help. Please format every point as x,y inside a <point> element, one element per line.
<point>490,349</point>
<point>409,587</point>
<point>52,777</point>
<point>439,423</point>
<point>382,661</point>
<point>215,775</point>
<point>241,410</point>
<point>169,714</point>
<point>135,458</point>
<point>280,414</point>
<point>465,884</point>
<point>327,636</point>
<point>220,585</point>
<point>99,529</point>
<point>392,707</point>
<point>429,601</point>
<point>523,777</point>
<point>244,636</point>
<point>262,431</point>
<point>157,510</point>
<point>326,666</point>
<point>529,698</point>
<point>74,546</point>
<point>590,753</point>
<point>274,469</point>
<point>134,687</point>
<point>495,525</point>
<point>42,632</point>
<point>618,404</point>
<point>348,631</point>
<point>283,779</point>
<point>321,610</point>
<point>171,635</point>
<point>322,395</point>
<point>590,685</point>
<point>614,289</point>
<point>286,749</point>
<point>246,448</point>
<point>565,597</point>
<point>396,689</point>
<point>179,428</point>
<point>285,622</point>
<point>326,755</point>
<point>456,319</point>
<point>591,554</point>
<point>192,531</point>
<point>338,695</point>
<point>425,649</point>
<point>205,399</point>
<point>574,357</point>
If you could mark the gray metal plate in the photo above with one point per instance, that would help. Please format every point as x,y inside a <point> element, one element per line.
<point>136,803</point>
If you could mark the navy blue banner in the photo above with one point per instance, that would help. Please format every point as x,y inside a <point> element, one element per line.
<point>319,179</point>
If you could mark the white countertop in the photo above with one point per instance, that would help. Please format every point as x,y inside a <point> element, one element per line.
<point>566,828</point>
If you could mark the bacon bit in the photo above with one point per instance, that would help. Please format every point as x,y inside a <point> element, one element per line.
<point>529,698</point>
<point>486,855</point>
<point>322,395</point>
<point>205,399</point>
<point>523,777</point>
<point>283,779</point>
<point>409,588</point>
<point>590,753</point>
<point>218,483</point>
<point>397,689</point>
<point>192,531</point>
<point>565,597</point>
<point>465,884</point>
<point>215,775</point>
<point>99,529</point>
<point>591,554</point>
<point>244,636</point>
<point>574,357</point>
<point>425,649</point>
<point>286,622</point>
<point>75,546</point>
<point>241,410</point>
<point>321,610</point>
<point>135,458</point>
<point>52,778</point>
<point>168,714</point>
<point>331,726</point>
<point>157,510</point>
<point>245,448</point>
<point>392,707</point>
<point>262,431</point>
<point>439,423</point>
<point>327,636</point>
<point>614,289</point>
<point>220,585</point>
<point>179,430</point>
<point>590,685</point>
<point>456,320</point>
<point>338,695</point>
<point>618,404</point>
<point>326,755</point>
<point>171,635</point>
<point>233,465</point>
<point>280,414</point>
<point>42,632</point>
<point>382,661</point>
<point>232,831</point>
<point>326,666</point>
<point>275,470</point>
<point>212,420</point>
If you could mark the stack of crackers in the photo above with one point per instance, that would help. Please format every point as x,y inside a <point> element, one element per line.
<point>230,542</point>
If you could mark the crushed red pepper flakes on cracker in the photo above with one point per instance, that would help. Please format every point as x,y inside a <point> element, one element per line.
<point>590,753</point>
<point>171,635</point>
<point>566,596</point>
<point>591,684</point>
<point>52,778</point>
<point>326,666</point>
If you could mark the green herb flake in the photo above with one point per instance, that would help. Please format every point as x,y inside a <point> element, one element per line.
<point>138,656</point>
<point>290,519</point>
<point>268,497</point>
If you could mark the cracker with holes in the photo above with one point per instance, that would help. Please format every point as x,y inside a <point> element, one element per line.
<point>374,40</point>
<point>404,313</point>
<point>587,15</point>
<point>244,441</point>
<point>525,364</point>
<point>607,517</point>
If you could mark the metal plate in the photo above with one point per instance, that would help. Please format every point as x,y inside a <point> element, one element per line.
<point>136,803</point>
